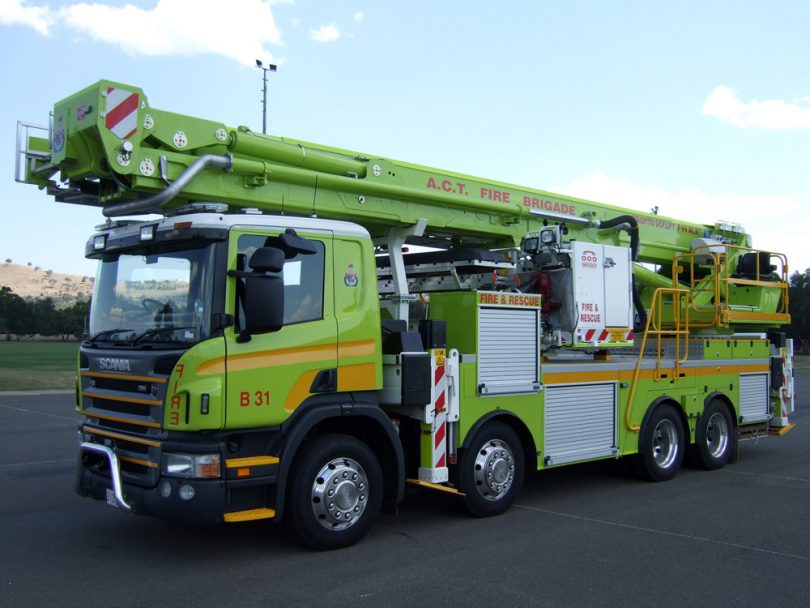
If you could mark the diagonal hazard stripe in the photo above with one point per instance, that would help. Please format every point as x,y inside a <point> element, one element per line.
<point>438,375</point>
<point>440,435</point>
<point>439,405</point>
<point>122,113</point>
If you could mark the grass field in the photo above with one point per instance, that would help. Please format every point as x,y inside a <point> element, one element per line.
<point>37,365</point>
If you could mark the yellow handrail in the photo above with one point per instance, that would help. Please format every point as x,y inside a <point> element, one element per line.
<point>717,286</point>
<point>655,327</point>
<point>721,281</point>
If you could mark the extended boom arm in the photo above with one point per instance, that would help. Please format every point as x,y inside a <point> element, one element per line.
<point>111,148</point>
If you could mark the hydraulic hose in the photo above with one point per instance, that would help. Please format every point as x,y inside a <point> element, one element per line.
<point>630,225</point>
<point>154,203</point>
<point>632,230</point>
<point>639,306</point>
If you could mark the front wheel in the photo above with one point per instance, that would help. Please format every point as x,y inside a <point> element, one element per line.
<point>336,491</point>
<point>492,469</point>
<point>660,446</point>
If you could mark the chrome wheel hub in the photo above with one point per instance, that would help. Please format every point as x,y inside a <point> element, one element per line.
<point>665,444</point>
<point>717,435</point>
<point>340,493</point>
<point>494,470</point>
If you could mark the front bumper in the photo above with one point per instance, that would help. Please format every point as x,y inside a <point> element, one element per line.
<point>203,501</point>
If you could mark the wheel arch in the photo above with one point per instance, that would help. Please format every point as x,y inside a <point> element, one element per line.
<point>363,421</point>
<point>668,400</point>
<point>725,399</point>
<point>516,423</point>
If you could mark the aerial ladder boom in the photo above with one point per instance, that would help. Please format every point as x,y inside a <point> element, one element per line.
<point>112,149</point>
<point>107,146</point>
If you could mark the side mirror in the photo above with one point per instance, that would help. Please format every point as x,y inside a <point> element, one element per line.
<point>262,295</point>
<point>264,304</point>
<point>292,244</point>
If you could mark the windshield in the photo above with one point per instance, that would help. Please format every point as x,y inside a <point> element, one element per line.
<point>153,297</point>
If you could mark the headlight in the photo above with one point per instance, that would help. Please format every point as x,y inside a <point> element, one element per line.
<point>200,466</point>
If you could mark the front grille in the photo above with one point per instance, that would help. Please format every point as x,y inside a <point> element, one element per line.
<point>137,409</point>
<point>138,458</point>
<point>125,411</point>
<point>144,387</point>
<point>124,398</point>
<point>115,425</point>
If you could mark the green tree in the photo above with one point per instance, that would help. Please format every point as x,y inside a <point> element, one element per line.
<point>45,317</point>
<point>72,321</point>
<point>15,314</point>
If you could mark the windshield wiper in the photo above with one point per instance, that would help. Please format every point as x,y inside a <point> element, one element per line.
<point>156,331</point>
<point>108,333</point>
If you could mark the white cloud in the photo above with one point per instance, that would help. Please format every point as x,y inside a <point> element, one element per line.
<point>13,12</point>
<point>172,27</point>
<point>771,114</point>
<point>777,223</point>
<point>359,15</point>
<point>325,33</point>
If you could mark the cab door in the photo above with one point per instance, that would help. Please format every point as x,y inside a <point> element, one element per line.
<point>271,374</point>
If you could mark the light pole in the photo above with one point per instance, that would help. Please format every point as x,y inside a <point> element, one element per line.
<point>271,67</point>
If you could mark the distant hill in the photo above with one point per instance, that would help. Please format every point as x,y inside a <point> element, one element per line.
<point>32,282</point>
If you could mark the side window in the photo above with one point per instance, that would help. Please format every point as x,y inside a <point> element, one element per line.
<point>303,279</point>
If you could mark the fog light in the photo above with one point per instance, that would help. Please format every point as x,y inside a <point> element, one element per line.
<point>186,492</point>
<point>165,489</point>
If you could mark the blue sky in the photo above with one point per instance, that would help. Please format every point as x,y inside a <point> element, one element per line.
<point>700,108</point>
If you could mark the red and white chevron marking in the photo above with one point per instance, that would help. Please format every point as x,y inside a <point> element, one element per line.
<point>604,335</point>
<point>786,390</point>
<point>440,416</point>
<point>122,112</point>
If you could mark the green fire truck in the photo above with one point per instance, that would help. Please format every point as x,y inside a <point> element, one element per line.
<point>289,330</point>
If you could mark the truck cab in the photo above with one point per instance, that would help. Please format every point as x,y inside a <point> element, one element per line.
<point>182,374</point>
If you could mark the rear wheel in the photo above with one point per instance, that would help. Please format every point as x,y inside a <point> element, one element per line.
<point>336,491</point>
<point>492,470</point>
<point>661,445</point>
<point>713,437</point>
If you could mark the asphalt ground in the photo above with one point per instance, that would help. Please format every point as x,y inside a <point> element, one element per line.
<point>588,535</point>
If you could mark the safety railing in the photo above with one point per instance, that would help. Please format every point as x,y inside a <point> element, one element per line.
<point>661,327</point>
<point>712,287</point>
<point>715,273</point>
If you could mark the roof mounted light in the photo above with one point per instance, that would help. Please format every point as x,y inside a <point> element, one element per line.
<point>531,244</point>
<point>725,226</point>
<point>548,237</point>
<point>99,242</point>
<point>148,233</point>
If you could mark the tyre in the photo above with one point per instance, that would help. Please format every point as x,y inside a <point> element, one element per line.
<point>660,445</point>
<point>492,470</point>
<point>714,437</point>
<point>335,492</point>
